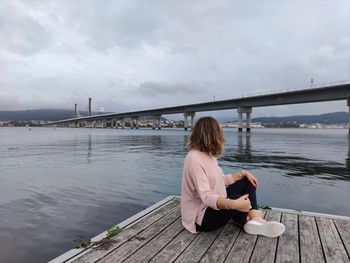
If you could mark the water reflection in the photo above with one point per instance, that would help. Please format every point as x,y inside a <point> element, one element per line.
<point>244,149</point>
<point>289,165</point>
<point>347,160</point>
<point>89,149</point>
<point>57,184</point>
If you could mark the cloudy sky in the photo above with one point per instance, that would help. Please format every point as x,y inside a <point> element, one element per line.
<point>130,55</point>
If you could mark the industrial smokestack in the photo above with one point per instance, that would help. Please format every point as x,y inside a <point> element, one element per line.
<point>76,111</point>
<point>89,106</point>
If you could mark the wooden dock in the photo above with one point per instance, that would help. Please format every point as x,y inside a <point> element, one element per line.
<point>156,235</point>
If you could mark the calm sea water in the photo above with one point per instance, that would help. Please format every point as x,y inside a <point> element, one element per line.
<point>58,184</point>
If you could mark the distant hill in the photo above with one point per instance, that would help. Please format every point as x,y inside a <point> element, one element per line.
<point>43,114</point>
<point>328,118</point>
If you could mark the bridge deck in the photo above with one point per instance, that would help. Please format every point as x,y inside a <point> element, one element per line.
<point>156,235</point>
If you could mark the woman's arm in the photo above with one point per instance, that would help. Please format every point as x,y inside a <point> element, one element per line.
<point>232,178</point>
<point>238,176</point>
<point>240,204</point>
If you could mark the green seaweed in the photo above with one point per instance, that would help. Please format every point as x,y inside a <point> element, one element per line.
<point>83,244</point>
<point>102,244</point>
<point>80,241</point>
<point>139,238</point>
<point>114,231</point>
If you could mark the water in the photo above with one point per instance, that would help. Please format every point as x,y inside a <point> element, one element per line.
<point>56,184</point>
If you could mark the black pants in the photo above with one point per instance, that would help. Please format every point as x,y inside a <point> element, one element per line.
<point>214,219</point>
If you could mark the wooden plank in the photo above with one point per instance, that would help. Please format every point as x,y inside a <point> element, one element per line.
<point>242,248</point>
<point>307,213</point>
<point>222,244</point>
<point>72,254</point>
<point>148,251</point>
<point>310,244</point>
<point>343,228</point>
<point>265,248</point>
<point>333,248</point>
<point>288,244</point>
<point>93,254</point>
<point>132,245</point>
<point>198,247</point>
<point>175,247</point>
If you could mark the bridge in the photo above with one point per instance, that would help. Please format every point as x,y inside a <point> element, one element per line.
<point>334,91</point>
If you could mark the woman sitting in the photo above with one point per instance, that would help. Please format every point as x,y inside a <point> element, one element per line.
<point>209,199</point>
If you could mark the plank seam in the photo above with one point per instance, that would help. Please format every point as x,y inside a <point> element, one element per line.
<point>173,199</point>
<point>341,238</point>
<point>186,247</point>
<point>307,213</point>
<point>256,241</point>
<point>172,222</point>
<point>124,225</point>
<point>319,236</point>
<point>232,244</point>
<point>299,243</point>
<point>222,228</point>
<point>251,255</point>
<point>278,240</point>
<point>166,245</point>
<point>119,245</point>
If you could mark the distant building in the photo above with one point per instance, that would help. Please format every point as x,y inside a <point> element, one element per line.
<point>235,124</point>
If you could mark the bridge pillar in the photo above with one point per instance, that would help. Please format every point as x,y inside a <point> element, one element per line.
<point>100,124</point>
<point>348,103</point>
<point>186,115</point>
<point>136,122</point>
<point>159,122</point>
<point>185,121</point>
<point>153,123</point>
<point>192,120</point>
<point>240,120</point>
<point>247,111</point>
<point>248,122</point>
<point>123,123</point>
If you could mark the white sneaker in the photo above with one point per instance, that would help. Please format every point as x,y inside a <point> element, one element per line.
<point>258,226</point>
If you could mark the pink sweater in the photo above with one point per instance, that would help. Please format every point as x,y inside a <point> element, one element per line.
<point>203,181</point>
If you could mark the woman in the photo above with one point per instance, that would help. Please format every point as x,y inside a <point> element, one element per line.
<point>209,199</point>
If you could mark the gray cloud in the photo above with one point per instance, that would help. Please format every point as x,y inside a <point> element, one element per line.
<point>158,89</point>
<point>144,54</point>
<point>20,33</point>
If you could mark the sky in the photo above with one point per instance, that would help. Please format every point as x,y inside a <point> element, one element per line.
<point>132,55</point>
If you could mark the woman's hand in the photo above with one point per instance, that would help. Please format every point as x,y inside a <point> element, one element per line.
<point>242,204</point>
<point>251,178</point>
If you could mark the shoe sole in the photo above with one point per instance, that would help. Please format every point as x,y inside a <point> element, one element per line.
<point>268,229</point>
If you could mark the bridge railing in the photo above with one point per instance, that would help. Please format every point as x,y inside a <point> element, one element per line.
<point>262,93</point>
<point>307,87</point>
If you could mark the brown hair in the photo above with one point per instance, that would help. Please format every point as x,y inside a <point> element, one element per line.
<point>207,136</point>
